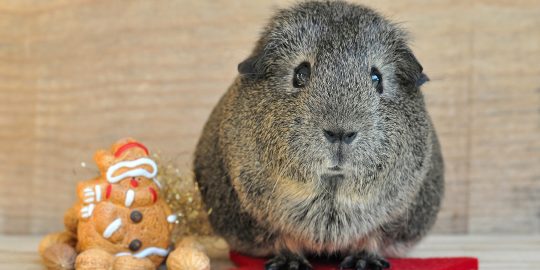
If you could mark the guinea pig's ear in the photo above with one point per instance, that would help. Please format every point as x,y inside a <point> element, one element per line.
<point>250,66</point>
<point>422,79</point>
<point>410,70</point>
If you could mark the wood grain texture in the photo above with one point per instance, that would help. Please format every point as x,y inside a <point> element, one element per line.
<point>77,75</point>
<point>493,251</point>
<point>505,138</point>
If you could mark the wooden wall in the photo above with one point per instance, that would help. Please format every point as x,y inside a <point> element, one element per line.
<point>75,75</point>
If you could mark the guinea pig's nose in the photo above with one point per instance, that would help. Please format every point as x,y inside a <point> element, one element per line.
<point>339,136</point>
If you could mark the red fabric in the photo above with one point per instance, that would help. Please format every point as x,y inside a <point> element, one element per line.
<point>455,263</point>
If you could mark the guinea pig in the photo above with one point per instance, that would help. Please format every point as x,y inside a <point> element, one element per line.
<point>322,146</point>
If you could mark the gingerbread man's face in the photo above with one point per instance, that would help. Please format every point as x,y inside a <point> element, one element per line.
<point>136,183</point>
<point>130,171</point>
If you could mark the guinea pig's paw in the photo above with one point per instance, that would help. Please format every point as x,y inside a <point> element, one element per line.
<point>363,261</point>
<point>288,262</point>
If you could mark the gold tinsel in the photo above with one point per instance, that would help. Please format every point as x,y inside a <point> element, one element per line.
<point>181,192</point>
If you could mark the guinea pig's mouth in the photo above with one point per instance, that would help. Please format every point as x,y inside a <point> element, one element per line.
<point>332,176</point>
<point>335,169</point>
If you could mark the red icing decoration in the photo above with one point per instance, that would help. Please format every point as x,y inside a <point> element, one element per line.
<point>134,182</point>
<point>127,146</point>
<point>154,194</point>
<point>457,263</point>
<point>108,191</point>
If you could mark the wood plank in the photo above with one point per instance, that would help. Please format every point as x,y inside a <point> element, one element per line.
<point>77,75</point>
<point>17,116</point>
<point>178,66</point>
<point>493,251</point>
<point>505,96</point>
<point>110,69</point>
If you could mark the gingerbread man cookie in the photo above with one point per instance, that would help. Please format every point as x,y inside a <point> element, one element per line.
<point>121,211</point>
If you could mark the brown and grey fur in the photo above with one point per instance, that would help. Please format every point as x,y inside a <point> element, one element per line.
<point>262,161</point>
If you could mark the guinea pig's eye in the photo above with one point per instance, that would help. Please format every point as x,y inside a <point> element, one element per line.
<point>376,79</point>
<point>301,75</point>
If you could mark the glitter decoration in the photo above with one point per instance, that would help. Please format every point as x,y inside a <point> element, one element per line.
<point>182,194</point>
